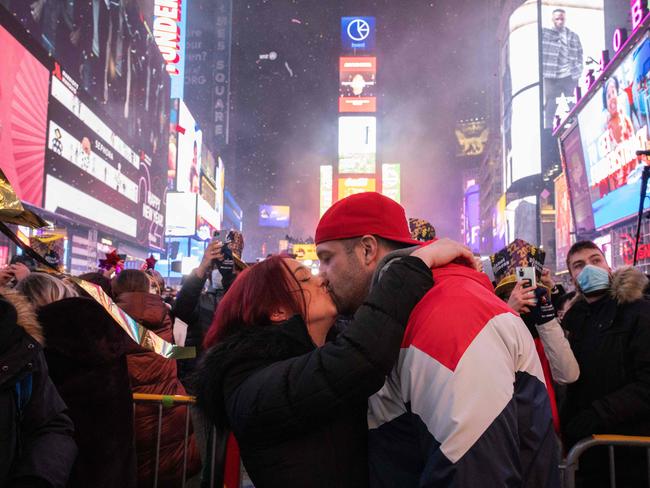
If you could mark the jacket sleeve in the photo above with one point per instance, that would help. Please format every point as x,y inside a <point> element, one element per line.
<point>631,402</point>
<point>48,447</point>
<point>563,363</point>
<point>187,300</point>
<point>291,395</point>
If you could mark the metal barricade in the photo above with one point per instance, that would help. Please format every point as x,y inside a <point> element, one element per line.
<point>166,401</point>
<point>570,465</point>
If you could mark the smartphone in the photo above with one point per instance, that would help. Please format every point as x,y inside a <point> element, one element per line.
<point>527,274</point>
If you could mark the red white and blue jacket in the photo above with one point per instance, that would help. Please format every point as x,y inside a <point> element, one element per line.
<point>466,405</point>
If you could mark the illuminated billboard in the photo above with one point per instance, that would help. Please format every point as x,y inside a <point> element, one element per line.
<point>326,188</point>
<point>181,214</point>
<point>23,119</point>
<point>357,145</point>
<point>96,173</point>
<point>358,33</point>
<point>573,38</point>
<point>499,224</point>
<point>110,49</point>
<point>305,252</point>
<point>577,182</point>
<point>563,222</point>
<point>472,224</point>
<point>357,78</point>
<point>390,181</point>
<point>352,186</point>
<point>169,31</point>
<point>274,216</point>
<point>188,159</point>
<point>613,126</point>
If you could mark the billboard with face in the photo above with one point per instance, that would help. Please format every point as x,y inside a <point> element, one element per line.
<point>188,160</point>
<point>96,173</point>
<point>613,126</point>
<point>573,38</point>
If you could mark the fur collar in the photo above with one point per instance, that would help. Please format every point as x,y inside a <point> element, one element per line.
<point>25,312</point>
<point>628,284</point>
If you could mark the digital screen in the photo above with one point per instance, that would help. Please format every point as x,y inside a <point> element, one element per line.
<point>577,182</point>
<point>326,188</point>
<point>357,145</point>
<point>274,216</point>
<point>613,126</point>
<point>573,38</point>
<point>390,181</point>
<point>499,224</point>
<point>181,214</point>
<point>170,30</point>
<point>357,77</point>
<point>352,186</point>
<point>472,218</point>
<point>23,119</point>
<point>208,192</point>
<point>108,48</point>
<point>97,174</point>
<point>305,252</point>
<point>220,180</point>
<point>208,164</point>
<point>563,222</point>
<point>358,33</point>
<point>188,159</point>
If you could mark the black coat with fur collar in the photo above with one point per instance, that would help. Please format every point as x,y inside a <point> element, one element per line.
<point>297,411</point>
<point>611,342</point>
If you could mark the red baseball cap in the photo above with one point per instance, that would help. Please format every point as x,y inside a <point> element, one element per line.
<point>363,214</point>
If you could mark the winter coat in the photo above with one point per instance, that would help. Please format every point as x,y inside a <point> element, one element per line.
<point>298,411</point>
<point>36,443</point>
<point>86,354</point>
<point>196,308</point>
<point>152,373</point>
<point>466,404</point>
<point>611,341</point>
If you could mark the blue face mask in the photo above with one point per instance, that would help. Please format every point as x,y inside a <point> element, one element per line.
<point>593,279</point>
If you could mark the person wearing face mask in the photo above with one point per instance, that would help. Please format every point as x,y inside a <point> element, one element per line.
<point>609,333</point>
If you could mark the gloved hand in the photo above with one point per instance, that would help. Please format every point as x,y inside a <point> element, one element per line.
<point>585,424</point>
<point>543,311</point>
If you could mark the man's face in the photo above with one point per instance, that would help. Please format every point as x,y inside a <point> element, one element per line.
<point>343,269</point>
<point>582,258</point>
<point>558,20</point>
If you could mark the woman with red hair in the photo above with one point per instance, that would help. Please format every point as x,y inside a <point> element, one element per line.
<point>294,396</point>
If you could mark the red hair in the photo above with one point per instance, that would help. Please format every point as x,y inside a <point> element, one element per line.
<point>256,293</point>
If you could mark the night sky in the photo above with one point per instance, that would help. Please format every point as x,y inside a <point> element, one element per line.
<point>435,61</point>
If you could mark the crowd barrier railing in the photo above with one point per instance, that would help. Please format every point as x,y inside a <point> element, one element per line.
<point>571,463</point>
<point>167,401</point>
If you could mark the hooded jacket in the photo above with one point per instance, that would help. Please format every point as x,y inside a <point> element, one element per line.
<point>86,354</point>
<point>298,411</point>
<point>611,341</point>
<point>36,439</point>
<point>466,403</point>
<point>152,373</point>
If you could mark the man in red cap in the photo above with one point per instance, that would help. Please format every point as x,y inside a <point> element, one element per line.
<point>466,404</point>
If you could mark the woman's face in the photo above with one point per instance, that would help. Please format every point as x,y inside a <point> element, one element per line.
<point>320,306</point>
<point>612,102</point>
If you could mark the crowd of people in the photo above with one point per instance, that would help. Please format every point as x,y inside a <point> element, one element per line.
<point>400,364</point>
